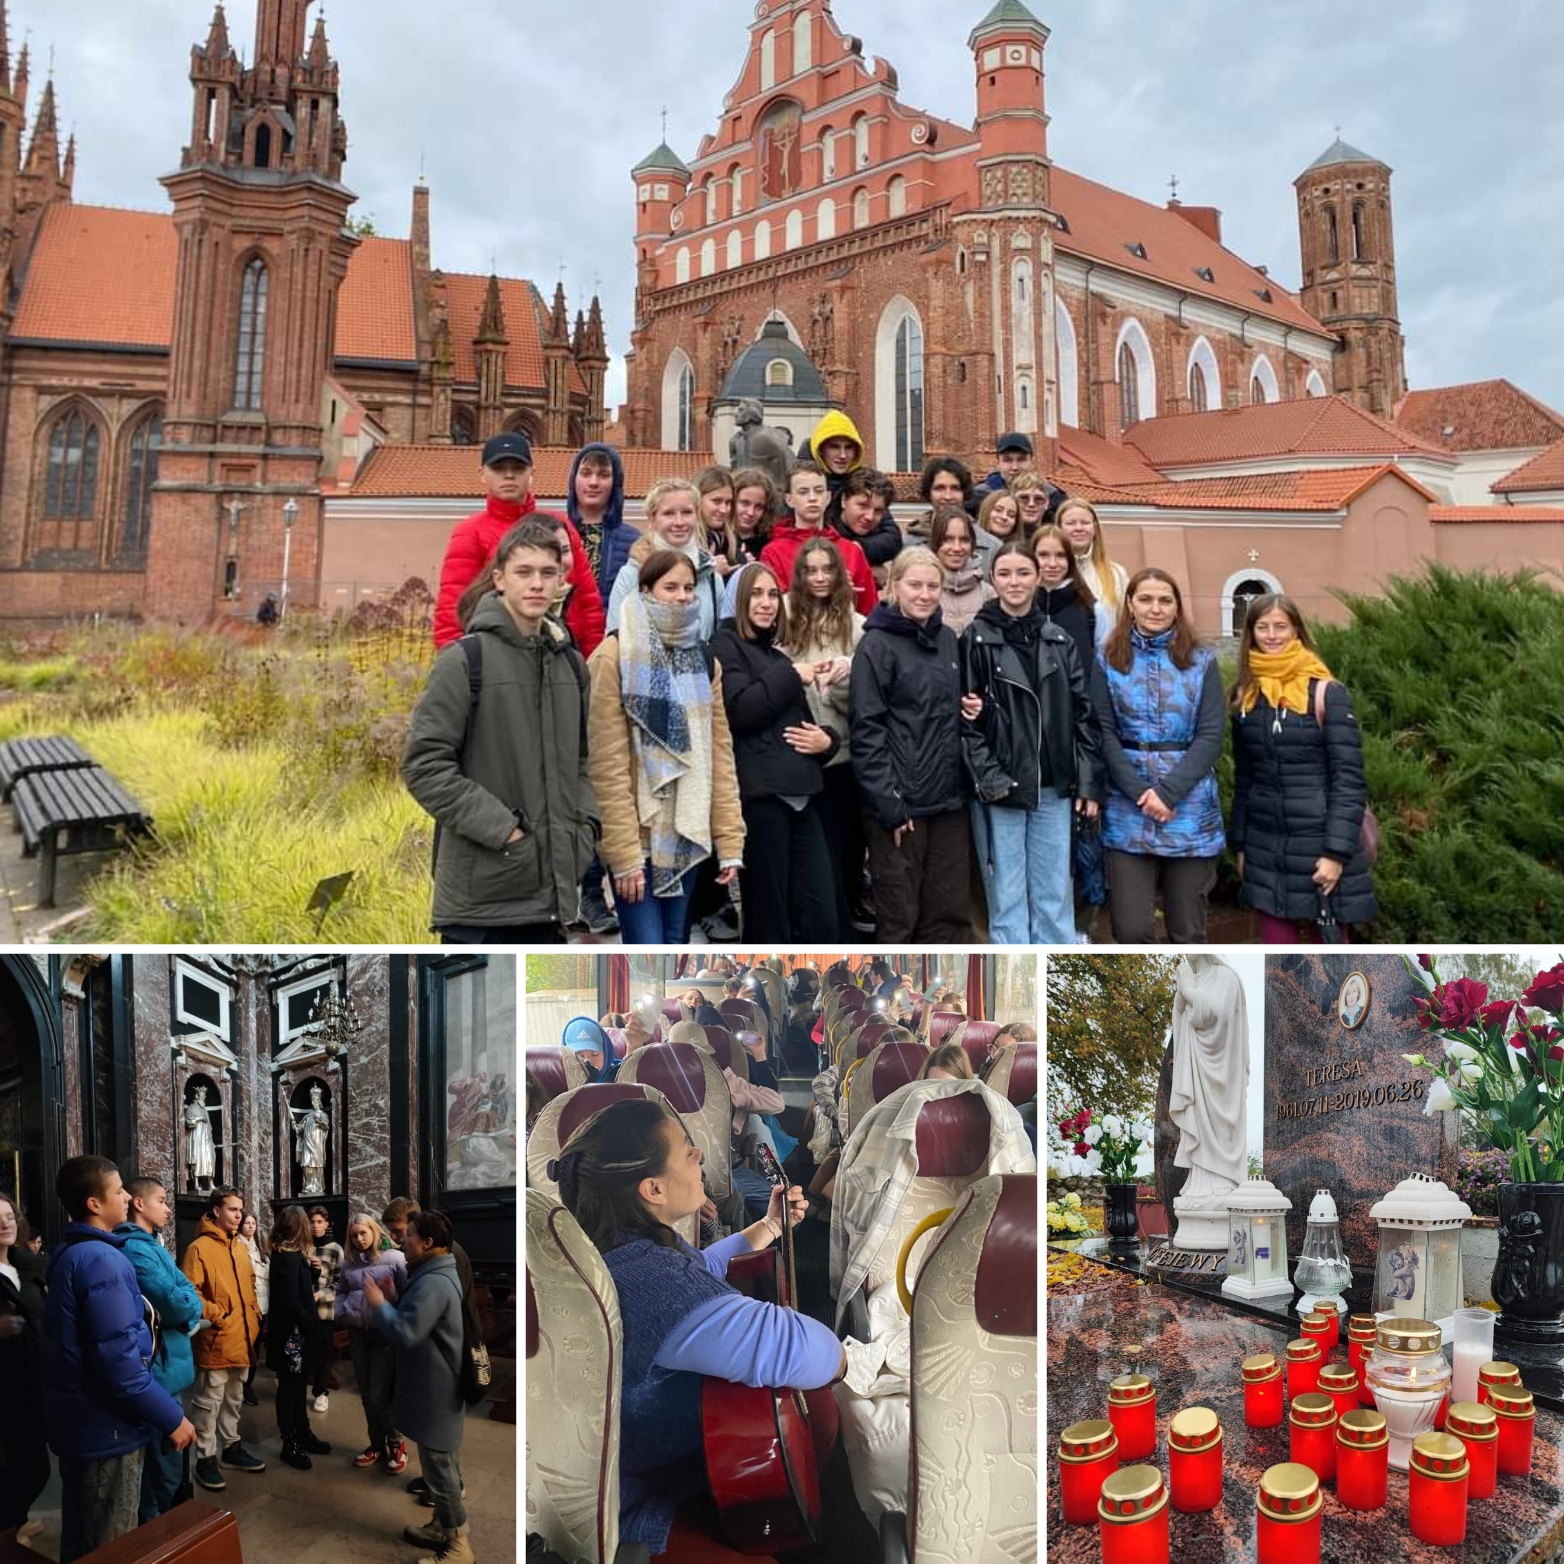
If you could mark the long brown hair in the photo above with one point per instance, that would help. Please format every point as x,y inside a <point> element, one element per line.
<point>819,621</point>
<point>1119,653</point>
<point>1100,558</point>
<point>754,478</point>
<point>1258,609</point>
<point>708,481</point>
<point>292,1231</point>
<point>749,579</point>
<point>1048,532</point>
<point>951,1057</point>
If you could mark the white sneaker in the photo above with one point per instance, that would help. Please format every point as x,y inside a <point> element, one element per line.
<point>320,1403</point>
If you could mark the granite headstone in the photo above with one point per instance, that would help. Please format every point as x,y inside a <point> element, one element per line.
<point>1343,1109</point>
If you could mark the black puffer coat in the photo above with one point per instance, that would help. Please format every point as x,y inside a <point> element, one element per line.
<point>906,718</point>
<point>1062,605</point>
<point>292,1309</point>
<point>1299,795</point>
<point>764,696</point>
<point>1039,727</point>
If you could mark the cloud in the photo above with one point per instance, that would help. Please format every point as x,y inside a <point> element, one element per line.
<point>528,118</point>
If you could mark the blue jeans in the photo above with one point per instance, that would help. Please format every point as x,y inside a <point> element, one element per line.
<point>656,920</point>
<point>162,1471</point>
<point>1025,858</point>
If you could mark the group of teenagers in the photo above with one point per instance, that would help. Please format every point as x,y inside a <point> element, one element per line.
<point>133,1368</point>
<point>974,723</point>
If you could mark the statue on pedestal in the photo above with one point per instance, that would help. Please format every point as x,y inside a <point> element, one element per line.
<point>756,446</point>
<point>200,1148</point>
<point>312,1133</point>
<point>1209,1101</point>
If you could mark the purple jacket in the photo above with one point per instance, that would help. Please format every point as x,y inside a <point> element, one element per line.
<point>387,1265</point>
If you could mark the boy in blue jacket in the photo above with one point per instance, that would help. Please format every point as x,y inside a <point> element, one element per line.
<point>102,1406</point>
<point>179,1310</point>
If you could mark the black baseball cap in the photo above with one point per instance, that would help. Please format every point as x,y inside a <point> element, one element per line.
<point>512,447</point>
<point>1014,441</point>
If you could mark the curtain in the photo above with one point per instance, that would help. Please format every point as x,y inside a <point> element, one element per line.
<point>975,1006</point>
<point>618,984</point>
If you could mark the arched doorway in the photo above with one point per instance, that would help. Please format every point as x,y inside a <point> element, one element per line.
<point>32,1091</point>
<point>1242,588</point>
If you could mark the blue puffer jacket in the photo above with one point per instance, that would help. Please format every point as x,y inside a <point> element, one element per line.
<point>178,1304</point>
<point>100,1399</point>
<point>1162,727</point>
<point>615,536</point>
<point>385,1265</point>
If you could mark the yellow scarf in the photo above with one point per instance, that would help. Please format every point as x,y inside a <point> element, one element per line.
<point>1283,677</point>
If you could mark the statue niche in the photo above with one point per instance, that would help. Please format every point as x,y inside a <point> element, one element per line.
<point>310,1114</point>
<point>202,1128</point>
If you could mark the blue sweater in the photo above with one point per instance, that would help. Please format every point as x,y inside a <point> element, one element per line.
<point>178,1304</point>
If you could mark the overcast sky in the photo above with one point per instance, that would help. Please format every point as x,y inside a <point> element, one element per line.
<point>528,115</point>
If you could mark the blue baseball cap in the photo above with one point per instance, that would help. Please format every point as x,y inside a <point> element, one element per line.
<point>582,1035</point>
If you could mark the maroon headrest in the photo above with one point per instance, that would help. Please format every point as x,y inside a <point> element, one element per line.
<point>917,1007</point>
<point>870,1035</point>
<point>675,1069</point>
<point>722,1045</point>
<point>587,1100</point>
<point>854,999</point>
<point>941,1024</point>
<point>616,1036</point>
<point>672,1011</point>
<point>735,1012</point>
<point>1022,1086</point>
<point>1005,1291</point>
<point>953,1134</point>
<point>532,1320</point>
<point>547,1067</point>
<point>837,977</point>
<point>897,1064</point>
<point>975,1040</point>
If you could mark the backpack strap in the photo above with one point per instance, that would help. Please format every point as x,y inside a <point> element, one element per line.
<point>472,650</point>
<point>1320,687</point>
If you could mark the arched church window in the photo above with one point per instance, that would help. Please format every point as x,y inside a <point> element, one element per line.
<point>251,358</point>
<point>735,249</point>
<point>768,61</point>
<point>793,231</point>
<point>681,266</point>
<point>825,219</point>
<point>708,257</point>
<point>1129,387</point>
<point>861,141</point>
<point>803,43</point>
<point>860,208</point>
<point>779,372</point>
<point>909,395</point>
<point>687,409</point>
<point>710,188</point>
<point>1358,246</point>
<point>140,475</point>
<point>464,427</point>
<point>896,193</point>
<point>263,145</point>
<point>71,482</point>
<point>827,155</point>
<point>1332,237</point>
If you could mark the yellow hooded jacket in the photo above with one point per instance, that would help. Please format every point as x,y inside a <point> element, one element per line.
<point>836,426</point>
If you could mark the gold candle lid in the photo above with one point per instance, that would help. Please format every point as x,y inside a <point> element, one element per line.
<point>1408,1335</point>
<point>1363,1428</point>
<point>1312,1410</point>
<point>1472,1420</point>
<point>1305,1350</point>
<point>1290,1492</point>
<point>1133,1493</point>
<point>1316,1322</point>
<point>1195,1428</point>
<point>1511,1401</point>
<point>1440,1456</point>
<point>1338,1378</point>
<point>1362,1322</point>
<point>1130,1390</point>
<point>1261,1367</point>
<point>1498,1374</point>
<point>1088,1441</point>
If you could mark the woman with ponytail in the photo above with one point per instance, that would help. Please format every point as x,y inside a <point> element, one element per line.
<point>1299,793</point>
<point>629,1175</point>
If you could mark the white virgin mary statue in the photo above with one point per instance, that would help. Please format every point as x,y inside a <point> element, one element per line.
<point>1210,1096</point>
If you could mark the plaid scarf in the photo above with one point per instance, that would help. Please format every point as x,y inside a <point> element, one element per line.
<point>665,686</point>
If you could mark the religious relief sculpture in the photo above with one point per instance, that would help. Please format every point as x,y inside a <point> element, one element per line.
<point>480,1133</point>
<point>1209,1101</point>
<point>822,330</point>
<point>779,151</point>
<point>753,445</point>
<point>312,1134</point>
<point>200,1148</point>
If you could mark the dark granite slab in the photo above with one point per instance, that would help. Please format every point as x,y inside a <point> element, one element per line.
<point>1342,1110</point>
<point>1191,1348</point>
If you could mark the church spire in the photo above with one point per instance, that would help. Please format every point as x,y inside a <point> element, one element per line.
<point>491,325</point>
<point>5,47</point>
<point>559,320</point>
<point>68,173</point>
<point>46,133</point>
<point>19,81</point>
<point>218,48</point>
<point>319,57</point>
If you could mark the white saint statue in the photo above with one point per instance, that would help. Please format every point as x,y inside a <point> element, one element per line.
<point>200,1149</point>
<point>312,1130</point>
<point>1210,1096</point>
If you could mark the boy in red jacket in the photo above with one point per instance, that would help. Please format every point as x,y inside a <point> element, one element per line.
<point>507,475</point>
<point>808,496</point>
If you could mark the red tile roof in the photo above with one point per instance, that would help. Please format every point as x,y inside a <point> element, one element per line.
<point>1104,221</point>
<point>375,304</point>
<point>526,318</point>
<point>1495,513</point>
<point>100,275</point>
<point>1542,472</point>
<point>1096,460</point>
<point>1309,426</point>
<point>455,472</point>
<point>1487,415</point>
<point>1311,489</point>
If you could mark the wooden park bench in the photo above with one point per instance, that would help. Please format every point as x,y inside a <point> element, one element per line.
<point>83,811</point>
<point>190,1533</point>
<point>23,757</point>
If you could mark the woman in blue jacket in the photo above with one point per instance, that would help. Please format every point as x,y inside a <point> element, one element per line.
<point>628,1176</point>
<point>1160,705</point>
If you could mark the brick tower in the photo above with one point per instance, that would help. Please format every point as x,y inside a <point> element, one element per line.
<point>591,354</point>
<point>1347,237</point>
<point>662,181</point>
<point>260,215</point>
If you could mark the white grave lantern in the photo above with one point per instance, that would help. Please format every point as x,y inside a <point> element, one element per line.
<point>1419,1270</point>
<point>1257,1241</point>
<point>1323,1269</point>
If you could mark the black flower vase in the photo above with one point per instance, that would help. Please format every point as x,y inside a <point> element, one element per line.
<point>1122,1218</point>
<point>1528,1278</point>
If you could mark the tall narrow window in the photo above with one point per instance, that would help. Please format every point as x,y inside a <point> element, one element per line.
<point>263,146</point>
<point>1332,237</point>
<point>735,249</point>
<point>860,209</point>
<point>251,363</point>
<point>708,257</point>
<point>710,188</point>
<point>1358,246</point>
<point>71,484</point>
<point>861,141</point>
<point>825,220</point>
<point>896,194</point>
<point>1198,395</point>
<point>1129,387</point>
<point>687,409</point>
<point>768,62</point>
<point>793,230</point>
<point>827,155</point>
<point>909,396</point>
<point>140,475</point>
<point>736,177</point>
<point>803,43</point>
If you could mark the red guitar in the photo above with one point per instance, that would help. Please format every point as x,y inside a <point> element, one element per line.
<point>760,1454</point>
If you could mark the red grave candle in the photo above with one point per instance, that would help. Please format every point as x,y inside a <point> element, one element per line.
<point>1263,1405</point>
<point>1311,1433</point>
<point>1088,1456</point>
<point>1320,1325</point>
<point>1303,1366</point>
<point>1133,1517</point>
<point>1361,1333</point>
<point>1195,1460</point>
<point>1491,1374</point>
<point>1436,1490</point>
<point>1287,1520</point>
<point>1362,1459</point>
<point>1517,1424</point>
<point>1477,1427</point>
<point>1339,1381</point>
<point>1132,1409</point>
